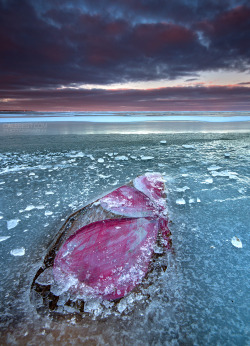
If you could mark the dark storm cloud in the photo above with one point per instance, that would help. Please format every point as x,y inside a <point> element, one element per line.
<point>176,98</point>
<point>51,43</point>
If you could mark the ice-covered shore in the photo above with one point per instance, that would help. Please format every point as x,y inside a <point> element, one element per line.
<point>199,299</point>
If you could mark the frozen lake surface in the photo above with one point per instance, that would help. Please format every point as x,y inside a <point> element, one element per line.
<point>202,297</point>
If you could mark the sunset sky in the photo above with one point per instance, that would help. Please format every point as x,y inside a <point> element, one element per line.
<point>119,55</point>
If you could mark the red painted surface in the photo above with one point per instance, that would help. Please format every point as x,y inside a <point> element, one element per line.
<point>109,258</point>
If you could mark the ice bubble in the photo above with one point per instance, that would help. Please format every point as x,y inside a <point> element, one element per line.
<point>18,252</point>
<point>3,238</point>
<point>121,158</point>
<point>180,201</point>
<point>236,242</point>
<point>100,160</point>
<point>146,158</point>
<point>12,223</point>
<point>163,142</point>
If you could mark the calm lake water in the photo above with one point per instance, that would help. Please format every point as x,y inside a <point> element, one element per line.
<point>202,297</point>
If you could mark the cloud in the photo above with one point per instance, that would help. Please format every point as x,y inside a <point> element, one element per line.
<point>47,44</point>
<point>176,98</point>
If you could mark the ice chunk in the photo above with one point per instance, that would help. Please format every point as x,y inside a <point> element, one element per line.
<point>12,223</point>
<point>236,242</point>
<point>29,207</point>
<point>227,155</point>
<point>3,238</point>
<point>18,252</point>
<point>163,142</point>
<point>188,146</point>
<point>49,193</point>
<point>47,213</point>
<point>100,160</point>
<point>46,277</point>
<point>180,201</point>
<point>183,189</point>
<point>121,158</point>
<point>208,181</point>
<point>213,168</point>
<point>146,158</point>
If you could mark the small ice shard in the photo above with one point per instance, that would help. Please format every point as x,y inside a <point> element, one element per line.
<point>12,223</point>
<point>49,193</point>
<point>188,146</point>
<point>100,160</point>
<point>18,252</point>
<point>236,242</point>
<point>227,155</point>
<point>213,168</point>
<point>198,200</point>
<point>121,158</point>
<point>29,207</point>
<point>47,213</point>
<point>208,181</point>
<point>183,189</point>
<point>146,158</point>
<point>163,142</point>
<point>3,238</point>
<point>180,201</point>
<point>46,277</point>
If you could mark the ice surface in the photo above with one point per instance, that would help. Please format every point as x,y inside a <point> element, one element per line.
<point>201,297</point>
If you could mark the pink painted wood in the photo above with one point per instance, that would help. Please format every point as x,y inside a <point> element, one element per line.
<point>109,258</point>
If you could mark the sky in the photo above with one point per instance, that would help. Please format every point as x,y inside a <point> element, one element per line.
<point>124,55</point>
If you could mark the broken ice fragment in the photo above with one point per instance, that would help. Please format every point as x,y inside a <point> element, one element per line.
<point>236,242</point>
<point>121,158</point>
<point>180,201</point>
<point>12,223</point>
<point>188,146</point>
<point>163,142</point>
<point>100,160</point>
<point>18,252</point>
<point>146,158</point>
<point>3,238</point>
